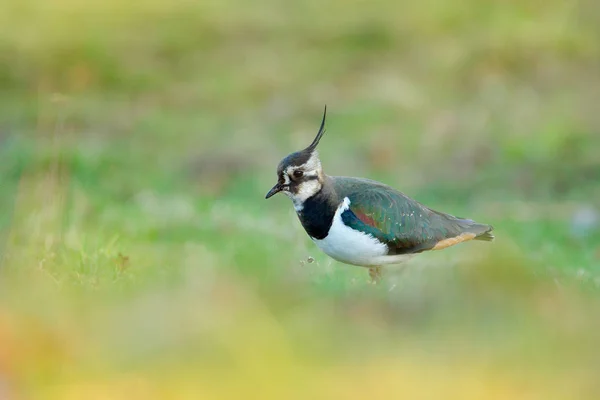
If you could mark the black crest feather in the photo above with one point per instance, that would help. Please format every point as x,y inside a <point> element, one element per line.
<point>315,142</point>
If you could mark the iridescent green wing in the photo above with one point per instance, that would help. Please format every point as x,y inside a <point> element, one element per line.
<point>404,224</point>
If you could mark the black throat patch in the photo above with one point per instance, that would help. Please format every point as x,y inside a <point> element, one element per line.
<point>318,211</point>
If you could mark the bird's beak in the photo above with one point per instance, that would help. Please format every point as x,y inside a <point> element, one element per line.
<point>274,190</point>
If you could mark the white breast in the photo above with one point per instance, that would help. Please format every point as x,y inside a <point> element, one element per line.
<point>353,247</point>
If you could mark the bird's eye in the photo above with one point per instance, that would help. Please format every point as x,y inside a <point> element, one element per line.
<point>298,173</point>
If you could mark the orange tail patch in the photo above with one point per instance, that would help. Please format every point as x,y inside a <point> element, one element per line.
<point>463,237</point>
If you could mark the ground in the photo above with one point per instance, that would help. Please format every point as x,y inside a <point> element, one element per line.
<point>140,259</point>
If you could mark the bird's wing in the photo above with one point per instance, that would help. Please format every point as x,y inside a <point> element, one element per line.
<point>404,224</point>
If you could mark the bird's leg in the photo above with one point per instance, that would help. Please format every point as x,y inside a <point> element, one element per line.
<point>375,273</point>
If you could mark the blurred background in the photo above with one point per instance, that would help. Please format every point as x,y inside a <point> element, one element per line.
<point>139,258</point>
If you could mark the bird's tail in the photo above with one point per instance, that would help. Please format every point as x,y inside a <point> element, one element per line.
<point>487,236</point>
<point>481,231</point>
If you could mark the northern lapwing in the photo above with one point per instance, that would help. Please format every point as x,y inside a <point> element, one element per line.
<point>363,222</point>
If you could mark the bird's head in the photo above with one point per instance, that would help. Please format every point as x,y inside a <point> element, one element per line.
<point>300,175</point>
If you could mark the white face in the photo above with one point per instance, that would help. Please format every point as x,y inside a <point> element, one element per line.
<point>301,182</point>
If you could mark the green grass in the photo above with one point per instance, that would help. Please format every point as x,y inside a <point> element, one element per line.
<point>140,259</point>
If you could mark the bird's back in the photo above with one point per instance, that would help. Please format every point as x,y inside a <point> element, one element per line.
<point>404,224</point>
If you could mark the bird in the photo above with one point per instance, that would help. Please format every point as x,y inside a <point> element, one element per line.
<point>363,222</point>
